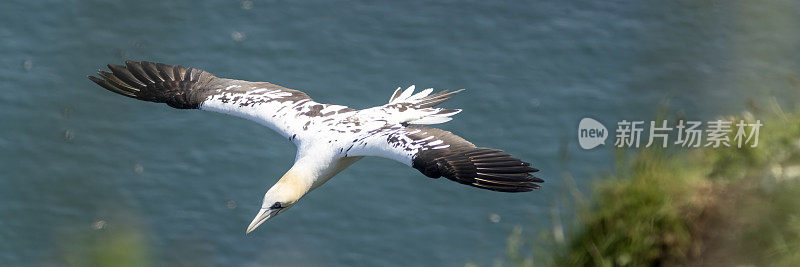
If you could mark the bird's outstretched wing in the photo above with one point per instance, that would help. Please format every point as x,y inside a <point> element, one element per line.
<point>282,109</point>
<point>438,153</point>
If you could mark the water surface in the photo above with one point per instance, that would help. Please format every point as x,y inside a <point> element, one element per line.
<point>82,168</point>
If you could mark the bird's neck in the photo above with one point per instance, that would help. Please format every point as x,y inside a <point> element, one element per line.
<point>308,173</point>
<point>297,181</point>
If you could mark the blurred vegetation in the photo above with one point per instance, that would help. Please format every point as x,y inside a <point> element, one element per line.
<point>696,207</point>
<point>119,245</point>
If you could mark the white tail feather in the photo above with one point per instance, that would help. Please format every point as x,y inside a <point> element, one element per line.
<point>396,94</point>
<point>431,120</point>
<point>420,95</point>
<point>447,114</point>
<point>405,95</point>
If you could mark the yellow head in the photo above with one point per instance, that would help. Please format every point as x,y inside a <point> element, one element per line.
<point>281,196</point>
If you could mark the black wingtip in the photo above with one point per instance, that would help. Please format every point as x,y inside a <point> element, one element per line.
<point>158,83</point>
<point>484,168</point>
<point>465,163</point>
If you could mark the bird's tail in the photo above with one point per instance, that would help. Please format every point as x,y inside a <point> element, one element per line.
<point>425,101</point>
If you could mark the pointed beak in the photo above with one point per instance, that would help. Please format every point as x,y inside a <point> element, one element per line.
<point>260,218</point>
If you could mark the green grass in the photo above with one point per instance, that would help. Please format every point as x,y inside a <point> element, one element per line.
<point>123,246</point>
<point>635,219</point>
<point>703,206</point>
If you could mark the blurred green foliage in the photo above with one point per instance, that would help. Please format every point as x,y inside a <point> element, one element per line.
<point>635,219</point>
<point>115,246</point>
<point>706,206</point>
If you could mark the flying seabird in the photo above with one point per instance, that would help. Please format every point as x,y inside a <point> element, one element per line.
<point>329,138</point>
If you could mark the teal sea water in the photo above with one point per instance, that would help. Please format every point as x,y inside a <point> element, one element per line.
<point>85,173</point>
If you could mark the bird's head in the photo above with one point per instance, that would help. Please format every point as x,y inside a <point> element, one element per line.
<point>279,198</point>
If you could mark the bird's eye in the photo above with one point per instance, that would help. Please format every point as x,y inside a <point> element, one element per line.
<point>277,205</point>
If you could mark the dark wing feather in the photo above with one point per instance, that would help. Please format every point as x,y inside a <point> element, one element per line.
<point>176,86</point>
<point>480,167</point>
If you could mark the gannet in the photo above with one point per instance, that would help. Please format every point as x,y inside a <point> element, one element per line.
<point>329,138</point>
